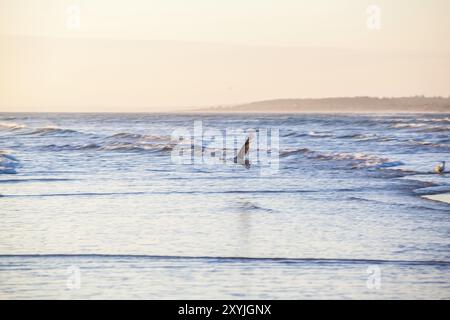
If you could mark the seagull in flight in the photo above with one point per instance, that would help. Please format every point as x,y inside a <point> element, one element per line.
<point>243,154</point>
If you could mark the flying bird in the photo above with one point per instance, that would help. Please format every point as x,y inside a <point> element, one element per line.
<point>243,154</point>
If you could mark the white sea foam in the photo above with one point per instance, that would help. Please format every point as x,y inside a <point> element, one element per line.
<point>320,134</point>
<point>423,127</point>
<point>356,160</point>
<point>409,125</point>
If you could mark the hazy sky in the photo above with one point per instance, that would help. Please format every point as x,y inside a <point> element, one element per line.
<point>142,55</point>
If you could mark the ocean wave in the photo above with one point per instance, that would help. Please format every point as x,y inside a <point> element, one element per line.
<point>137,136</point>
<point>42,131</point>
<point>436,129</point>
<point>402,125</point>
<point>100,194</point>
<point>446,119</point>
<point>358,159</point>
<point>355,160</point>
<point>444,140</point>
<point>11,126</point>
<point>112,146</point>
<point>51,130</point>
<point>291,152</point>
<point>354,136</point>
<point>126,135</point>
<point>136,147</point>
<point>236,259</point>
<point>429,144</point>
<point>311,134</point>
<point>135,142</point>
<point>122,147</point>
<point>433,190</point>
<point>365,137</point>
<point>320,134</point>
<point>422,127</point>
<point>68,147</point>
<point>391,164</point>
<point>25,180</point>
<point>290,134</point>
<point>8,163</point>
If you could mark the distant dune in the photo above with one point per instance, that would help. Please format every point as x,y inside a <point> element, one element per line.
<point>342,105</point>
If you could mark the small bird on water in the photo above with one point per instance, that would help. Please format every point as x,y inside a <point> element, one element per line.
<point>440,168</point>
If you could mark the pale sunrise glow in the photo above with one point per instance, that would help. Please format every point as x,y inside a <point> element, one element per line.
<point>167,55</point>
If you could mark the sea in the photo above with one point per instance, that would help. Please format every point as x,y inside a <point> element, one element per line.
<point>126,206</point>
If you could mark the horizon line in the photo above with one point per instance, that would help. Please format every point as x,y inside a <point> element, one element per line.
<point>191,109</point>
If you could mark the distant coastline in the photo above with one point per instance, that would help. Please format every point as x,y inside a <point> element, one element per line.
<point>339,105</point>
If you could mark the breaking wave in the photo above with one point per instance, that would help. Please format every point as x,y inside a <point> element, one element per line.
<point>51,130</point>
<point>320,134</point>
<point>116,146</point>
<point>136,147</point>
<point>358,160</point>
<point>447,119</point>
<point>423,127</point>
<point>311,134</point>
<point>355,160</point>
<point>120,142</point>
<point>125,141</point>
<point>26,130</point>
<point>11,126</point>
<point>408,125</point>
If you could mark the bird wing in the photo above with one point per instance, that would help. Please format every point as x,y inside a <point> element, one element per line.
<point>244,151</point>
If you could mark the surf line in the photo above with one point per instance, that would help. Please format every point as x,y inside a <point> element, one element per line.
<point>211,146</point>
